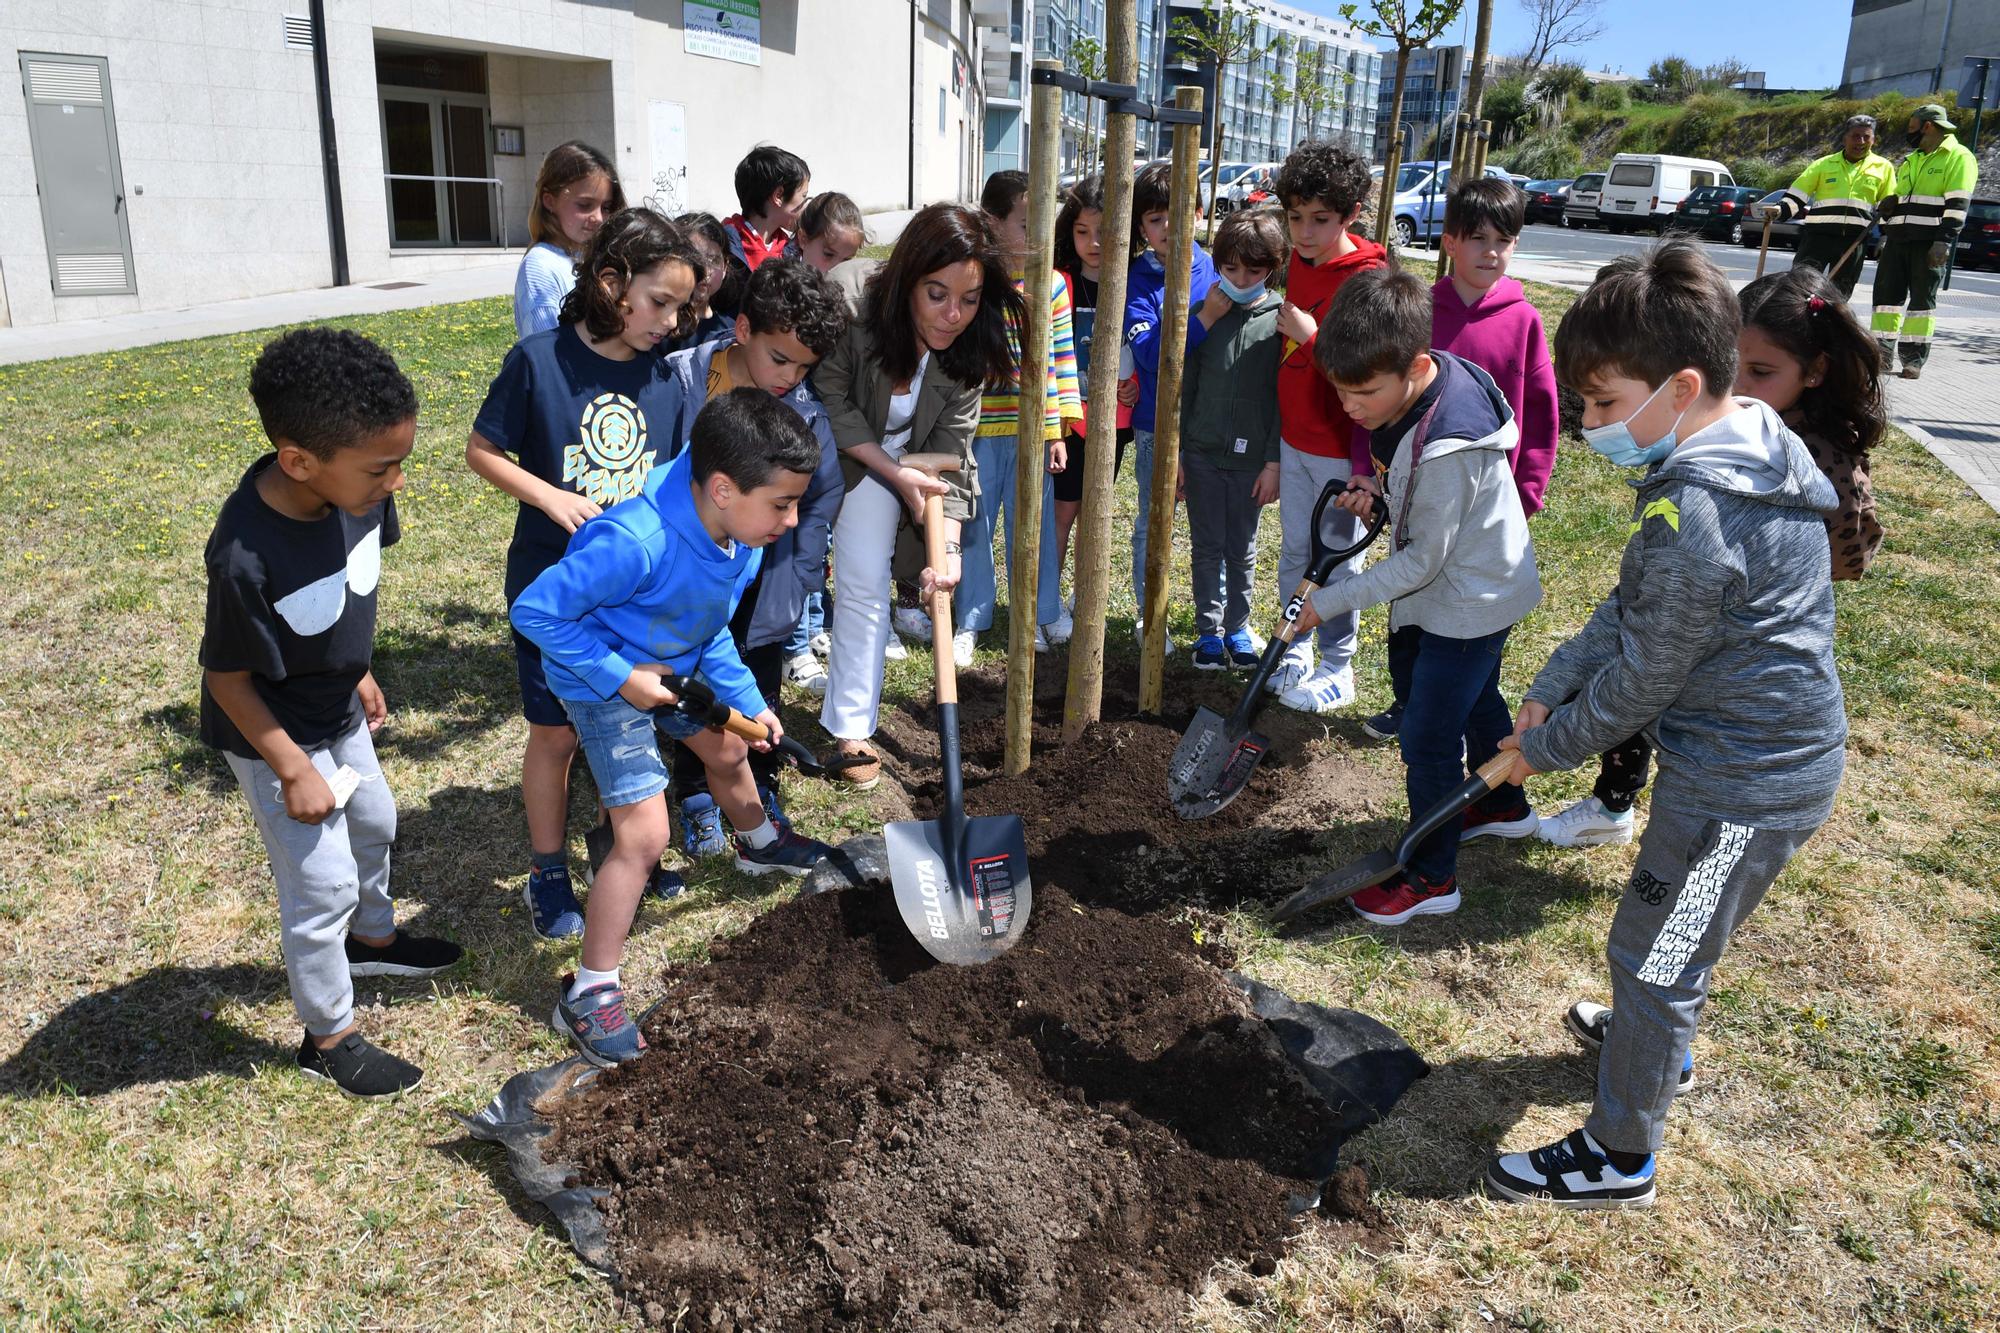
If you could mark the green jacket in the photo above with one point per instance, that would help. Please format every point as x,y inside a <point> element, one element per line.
<point>1932,193</point>
<point>1229,397</point>
<point>1836,193</point>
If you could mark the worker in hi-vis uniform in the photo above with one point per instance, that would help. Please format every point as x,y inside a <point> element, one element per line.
<point>1920,223</point>
<point>1838,195</point>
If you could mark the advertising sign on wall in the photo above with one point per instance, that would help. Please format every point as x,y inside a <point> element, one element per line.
<point>725,29</point>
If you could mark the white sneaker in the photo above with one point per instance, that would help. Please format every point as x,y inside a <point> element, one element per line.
<point>1139,637</point>
<point>962,644</point>
<point>1059,630</point>
<point>912,623</point>
<point>894,651</point>
<point>1323,691</point>
<point>820,644</point>
<point>1293,667</point>
<point>1041,638</point>
<point>1586,824</point>
<point>806,672</point>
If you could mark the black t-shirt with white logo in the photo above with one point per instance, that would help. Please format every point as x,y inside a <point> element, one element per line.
<point>292,602</point>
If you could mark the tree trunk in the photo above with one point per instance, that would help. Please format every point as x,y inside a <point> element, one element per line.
<point>1385,211</point>
<point>1475,88</point>
<point>1214,152</point>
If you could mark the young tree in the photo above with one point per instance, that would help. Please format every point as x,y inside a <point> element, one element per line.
<point>1410,24</point>
<point>1225,33</point>
<point>1674,79</point>
<point>1086,57</point>
<point>1312,88</point>
<point>1557,24</point>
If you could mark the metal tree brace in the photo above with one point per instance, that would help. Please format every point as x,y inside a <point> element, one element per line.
<point>1122,97</point>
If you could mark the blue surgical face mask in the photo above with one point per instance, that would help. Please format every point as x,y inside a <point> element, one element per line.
<point>1615,440</point>
<point>1240,295</point>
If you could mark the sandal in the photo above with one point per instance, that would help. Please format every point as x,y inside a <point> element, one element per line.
<point>857,771</point>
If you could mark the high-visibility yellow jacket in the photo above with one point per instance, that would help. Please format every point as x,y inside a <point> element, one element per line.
<point>1838,194</point>
<point>1932,193</point>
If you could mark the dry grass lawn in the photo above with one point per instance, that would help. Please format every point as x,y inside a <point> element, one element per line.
<point>163,1166</point>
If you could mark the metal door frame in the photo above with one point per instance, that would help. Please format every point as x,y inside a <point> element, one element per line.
<point>103,66</point>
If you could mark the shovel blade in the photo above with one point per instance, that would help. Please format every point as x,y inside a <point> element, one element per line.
<point>1210,767</point>
<point>966,906</point>
<point>1340,885</point>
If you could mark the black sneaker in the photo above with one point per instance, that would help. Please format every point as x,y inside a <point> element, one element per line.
<point>1572,1172</point>
<point>662,883</point>
<point>359,1068</point>
<point>1588,1023</point>
<point>1385,724</point>
<point>404,956</point>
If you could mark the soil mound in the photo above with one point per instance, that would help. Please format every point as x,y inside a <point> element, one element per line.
<point>834,1132</point>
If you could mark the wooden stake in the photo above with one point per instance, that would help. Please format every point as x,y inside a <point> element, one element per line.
<point>1024,556</point>
<point>1084,702</point>
<point>1167,408</point>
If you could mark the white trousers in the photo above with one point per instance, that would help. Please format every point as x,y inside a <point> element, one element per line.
<point>864,543</point>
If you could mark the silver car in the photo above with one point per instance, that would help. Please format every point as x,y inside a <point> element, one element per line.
<point>1581,210</point>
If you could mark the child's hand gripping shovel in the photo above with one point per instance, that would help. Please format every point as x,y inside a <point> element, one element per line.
<point>1216,757</point>
<point>1377,866</point>
<point>694,699</point>
<point>961,884</point>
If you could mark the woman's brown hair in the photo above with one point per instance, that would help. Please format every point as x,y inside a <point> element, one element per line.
<point>566,164</point>
<point>939,237</point>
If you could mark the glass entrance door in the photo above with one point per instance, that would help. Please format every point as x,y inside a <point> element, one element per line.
<point>436,153</point>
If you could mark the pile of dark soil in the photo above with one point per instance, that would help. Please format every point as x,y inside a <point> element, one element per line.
<point>834,1132</point>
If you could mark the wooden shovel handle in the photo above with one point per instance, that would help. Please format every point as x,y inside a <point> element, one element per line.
<point>934,556</point>
<point>1496,769</point>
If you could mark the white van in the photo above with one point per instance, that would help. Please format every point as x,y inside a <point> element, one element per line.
<point>1643,189</point>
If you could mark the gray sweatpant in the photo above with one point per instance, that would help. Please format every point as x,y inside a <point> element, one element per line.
<point>1695,881</point>
<point>1301,476</point>
<point>332,877</point>
<point>1222,538</point>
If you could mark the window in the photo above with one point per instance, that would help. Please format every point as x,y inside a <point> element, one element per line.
<point>1700,178</point>
<point>1632,173</point>
<point>941,97</point>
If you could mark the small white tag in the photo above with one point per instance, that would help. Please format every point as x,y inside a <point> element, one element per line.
<point>343,782</point>
<point>1242,446</point>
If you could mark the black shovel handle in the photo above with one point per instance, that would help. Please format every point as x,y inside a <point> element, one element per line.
<point>1324,559</point>
<point>693,698</point>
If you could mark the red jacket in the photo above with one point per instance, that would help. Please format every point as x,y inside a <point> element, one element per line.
<point>1309,415</point>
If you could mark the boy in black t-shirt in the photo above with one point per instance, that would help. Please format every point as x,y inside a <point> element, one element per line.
<point>286,690</point>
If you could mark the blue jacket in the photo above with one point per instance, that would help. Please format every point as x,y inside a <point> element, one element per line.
<point>795,564</point>
<point>642,582</point>
<point>1145,290</point>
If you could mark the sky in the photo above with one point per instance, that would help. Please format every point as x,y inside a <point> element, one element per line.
<point>1797,43</point>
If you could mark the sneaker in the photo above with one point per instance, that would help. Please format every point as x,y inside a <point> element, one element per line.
<point>1520,822</point>
<point>552,904</point>
<point>912,622</point>
<point>404,956</point>
<point>1323,691</point>
<point>1589,1022</point>
<point>1041,638</point>
<point>774,810</point>
<point>1586,824</point>
<point>1139,637</point>
<point>1911,372</point>
<point>962,645</point>
<point>359,1068</point>
<point>792,854</point>
<point>1293,667</point>
<point>1385,724</point>
<point>820,644</point>
<point>1246,650</point>
<point>701,827</point>
<point>1061,629</point>
<point>662,883</point>
<point>598,1024</point>
<point>807,672</point>
<point>1209,654</point>
<point>1570,1173</point>
<point>1405,896</point>
<point>894,651</point>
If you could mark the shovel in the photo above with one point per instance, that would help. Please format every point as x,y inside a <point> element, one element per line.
<point>1216,757</point>
<point>696,700</point>
<point>961,884</point>
<point>1377,866</point>
<point>1763,250</point>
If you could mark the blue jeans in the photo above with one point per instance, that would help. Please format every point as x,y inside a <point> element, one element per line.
<point>1455,719</point>
<point>1142,470</point>
<point>812,620</point>
<point>978,586</point>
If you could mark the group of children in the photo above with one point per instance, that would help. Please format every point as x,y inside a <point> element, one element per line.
<point>667,366</point>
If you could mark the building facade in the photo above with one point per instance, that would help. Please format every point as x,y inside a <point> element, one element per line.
<point>1438,80</point>
<point>1915,46</point>
<point>162,155</point>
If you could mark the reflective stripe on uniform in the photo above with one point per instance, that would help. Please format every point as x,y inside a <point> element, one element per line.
<point>1919,328</point>
<point>1886,319</point>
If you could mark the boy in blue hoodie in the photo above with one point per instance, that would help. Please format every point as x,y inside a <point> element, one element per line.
<point>1718,643</point>
<point>645,590</point>
<point>792,316</point>
<point>1145,318</point>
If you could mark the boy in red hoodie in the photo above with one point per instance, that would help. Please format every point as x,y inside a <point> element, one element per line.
<point>1322,186</point>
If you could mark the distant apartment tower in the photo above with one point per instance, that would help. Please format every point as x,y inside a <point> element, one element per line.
<point>1438,78</point>
<point>1915,46</point>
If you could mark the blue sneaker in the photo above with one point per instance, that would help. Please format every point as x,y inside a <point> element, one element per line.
<point>598,1023</point>
<point>1572,1172</point>
<point>1209,654</point>
<point>773,809</point>
<point>702,833</point>
<point>552,905</point>
<point>1246,650</point>
<point>792,854</point>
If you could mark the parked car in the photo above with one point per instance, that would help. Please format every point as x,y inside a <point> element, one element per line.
<point>1785,235</point>
<point>1546,200</point>
<point>1717,212</point>
<point>1420,196</point>
<point>1644,189</point>
<point>1979,243</point>
<point>1520,182</point>
<point>1259,176</point>
<point>1230,174</point>
<point>1580,208</point>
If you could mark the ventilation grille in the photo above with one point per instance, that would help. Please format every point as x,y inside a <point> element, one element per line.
<point>299,32</point>
<point>77,274</point>
<point>65,81</point>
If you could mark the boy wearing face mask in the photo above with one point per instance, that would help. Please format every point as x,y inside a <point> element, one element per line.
<point>1229,434</point>
<point>1718,642</point>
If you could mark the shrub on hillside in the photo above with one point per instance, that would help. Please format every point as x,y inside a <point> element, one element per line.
<point>1549,155</point>
<point>1762,173</point>
<point>1610,97</point>
<point>1694,129</point>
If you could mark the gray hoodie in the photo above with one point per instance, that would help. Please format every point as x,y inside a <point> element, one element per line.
<point>1462,565</point>
<point>1718,641</point>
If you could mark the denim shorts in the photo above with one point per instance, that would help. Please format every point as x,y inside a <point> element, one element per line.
<point>622,746</point>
